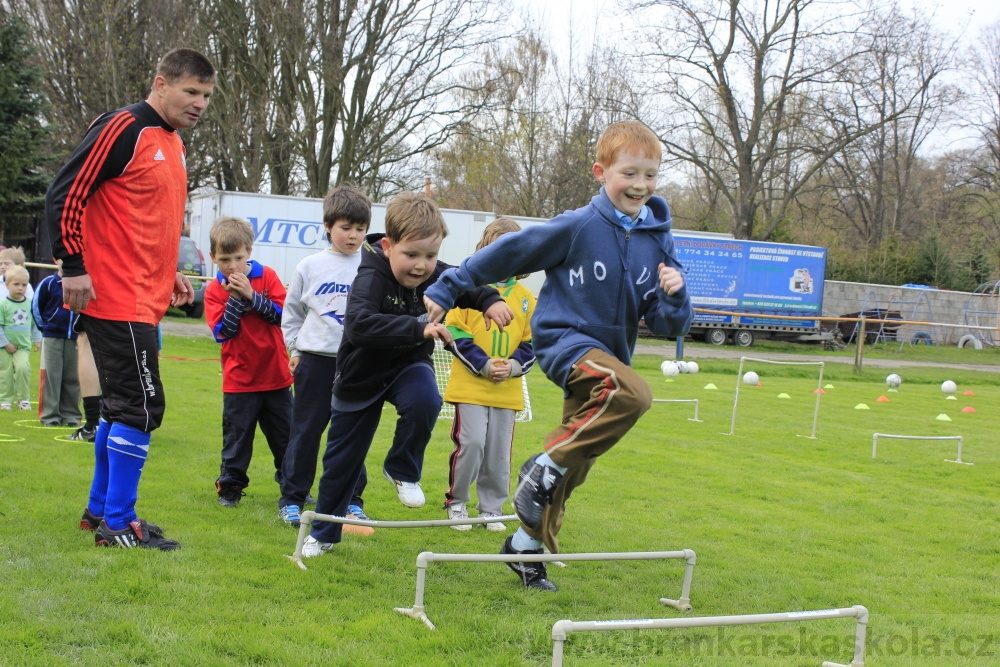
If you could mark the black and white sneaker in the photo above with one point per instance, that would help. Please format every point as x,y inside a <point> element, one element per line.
<point>90,522</point>
<point>229,494</point>
<point>532,575</point>
<point>137,535</point>
<point>534,491</point>
<point>84,434</point>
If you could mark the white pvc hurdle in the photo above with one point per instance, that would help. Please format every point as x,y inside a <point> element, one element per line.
<point>563,628</point>
<point>682,400</point>
<point>739,381</point>
<point>418,610</point>
<point>957,459</point>
<point>308,517</point>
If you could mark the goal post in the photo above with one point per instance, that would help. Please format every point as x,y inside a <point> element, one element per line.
<point>442,371</point>
<point>739,381</point>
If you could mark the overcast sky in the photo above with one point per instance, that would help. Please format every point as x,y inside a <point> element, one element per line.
<point>603,21</point>
<point>602,16</point>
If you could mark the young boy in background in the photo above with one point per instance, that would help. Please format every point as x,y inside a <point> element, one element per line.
<point>59,395</point>
<point>386,356</point>
<point>243,309</point>
<point>312,323</point>
<point>18,334</point>
<point>9,258</point>
<point>607,266</point>
<point>484,389</point>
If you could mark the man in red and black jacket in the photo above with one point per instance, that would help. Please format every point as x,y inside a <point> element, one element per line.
<point>115,212</point>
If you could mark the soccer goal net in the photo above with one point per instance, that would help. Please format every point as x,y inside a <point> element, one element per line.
<point>442,370</point>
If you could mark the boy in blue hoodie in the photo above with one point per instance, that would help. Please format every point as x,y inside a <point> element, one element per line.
<point>607,266</point>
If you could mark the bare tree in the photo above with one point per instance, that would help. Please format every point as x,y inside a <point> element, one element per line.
<point>755,78</point>
<point>872,178</point>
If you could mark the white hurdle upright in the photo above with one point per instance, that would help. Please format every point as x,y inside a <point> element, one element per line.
<point>957,459</point>
<point>563,628</point>
<point>308,517</point>
<point>418,610</point>
<point>682,400</point>
<point>739,381</point>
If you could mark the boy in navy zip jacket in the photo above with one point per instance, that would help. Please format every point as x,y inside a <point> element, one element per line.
<point>59,394</point>
<point>385,355</point>
<point>607,266</point>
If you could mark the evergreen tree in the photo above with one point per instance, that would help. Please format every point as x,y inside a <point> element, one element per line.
<point>22,136</point>
<point>933,265</point>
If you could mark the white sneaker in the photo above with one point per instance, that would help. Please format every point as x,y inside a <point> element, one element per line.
<point>409,493</point>
<point>4,406</point>
<point>24,405</point>
<point>313,547</point>
<point>458,511</point>
<point>493,526</point>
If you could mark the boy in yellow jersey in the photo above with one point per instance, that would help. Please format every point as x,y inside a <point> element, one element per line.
<point>483,387</point>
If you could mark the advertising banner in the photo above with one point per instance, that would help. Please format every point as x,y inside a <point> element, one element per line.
<point>752,276</point>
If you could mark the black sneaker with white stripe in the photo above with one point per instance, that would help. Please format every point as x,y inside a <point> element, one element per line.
<point>136,535</point>
<point>534,492</point>
<point>532,574</point>
<point>90,522</point>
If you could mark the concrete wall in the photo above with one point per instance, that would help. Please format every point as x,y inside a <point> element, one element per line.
<point>840,298</point>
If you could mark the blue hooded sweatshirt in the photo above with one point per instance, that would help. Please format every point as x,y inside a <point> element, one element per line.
<point>600,280</point>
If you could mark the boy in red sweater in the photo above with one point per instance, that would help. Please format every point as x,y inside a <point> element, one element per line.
<point>243,308</point>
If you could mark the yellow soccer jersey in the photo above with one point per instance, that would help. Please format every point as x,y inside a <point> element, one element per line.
<point>464,385</point>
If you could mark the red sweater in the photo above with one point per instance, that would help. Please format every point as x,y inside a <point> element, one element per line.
<point>115,212</point>
<point>253,350</point>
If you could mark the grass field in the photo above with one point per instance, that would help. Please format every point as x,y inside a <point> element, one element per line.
<point>779,523</point>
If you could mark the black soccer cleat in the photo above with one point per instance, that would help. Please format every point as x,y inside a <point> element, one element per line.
<point>137,535</point>
<point>534,491</point>
<point>90,522</point>
<point>83,434</point>
<point>229,494</point>
<point>532,574</point>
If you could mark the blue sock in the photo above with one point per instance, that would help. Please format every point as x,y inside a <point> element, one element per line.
<point>127,451</point>
<point>524,542</point>
<point>545,460</point>
<point>99,486</point>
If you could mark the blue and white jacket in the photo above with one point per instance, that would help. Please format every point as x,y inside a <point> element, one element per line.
<point>52,319</point>
<point>600,280</point>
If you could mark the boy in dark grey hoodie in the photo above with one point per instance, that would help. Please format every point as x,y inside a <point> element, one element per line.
<point>607,266</point>
<point>385,355</point>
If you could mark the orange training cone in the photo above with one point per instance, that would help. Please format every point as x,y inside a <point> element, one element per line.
<point>968,392</point>
<point>968,408</point>
<point>882,399</point>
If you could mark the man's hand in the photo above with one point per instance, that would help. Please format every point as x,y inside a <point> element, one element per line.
<point>293,363</point>
<point>37,346</point>
<point>183,292</point>
<point>10,347</point>
<point>237,283</point>
<point>77,292</point>
<point>671,280</point>
<point>435,313</point>
<point>438,331</point>
<point>500,313</point>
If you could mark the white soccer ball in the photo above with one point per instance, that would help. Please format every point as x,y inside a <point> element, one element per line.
<point>669,369</point>
<point>750,378</point>
<point>692,367</point>
<point>949,387</point>
<point>893,380</point>
<point>682,366</point>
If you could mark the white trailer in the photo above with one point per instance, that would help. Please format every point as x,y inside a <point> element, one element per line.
<point>291,228</point>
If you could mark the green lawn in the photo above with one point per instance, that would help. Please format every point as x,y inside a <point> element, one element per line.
<point>779,523</point>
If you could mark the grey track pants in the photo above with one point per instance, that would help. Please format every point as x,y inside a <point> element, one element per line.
<point>483,438</point>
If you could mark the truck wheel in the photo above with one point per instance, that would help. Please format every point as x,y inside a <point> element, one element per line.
<point>716,336</point>
<point>744,338</point>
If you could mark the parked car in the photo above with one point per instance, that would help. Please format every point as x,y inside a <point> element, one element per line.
<point>191,262</point>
